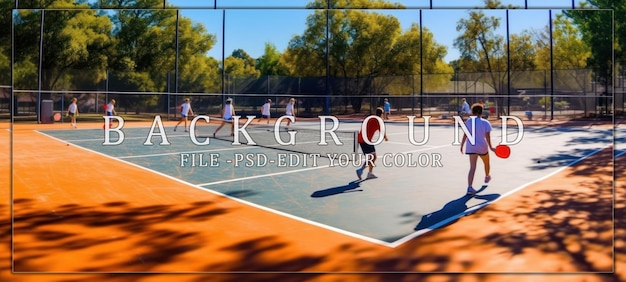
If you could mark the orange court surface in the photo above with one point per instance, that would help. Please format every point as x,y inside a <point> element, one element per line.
<point>73,215</point>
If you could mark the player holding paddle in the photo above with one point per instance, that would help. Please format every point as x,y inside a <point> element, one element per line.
<point>480,128</point>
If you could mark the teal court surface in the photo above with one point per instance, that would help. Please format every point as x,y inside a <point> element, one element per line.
<point>419,187</point>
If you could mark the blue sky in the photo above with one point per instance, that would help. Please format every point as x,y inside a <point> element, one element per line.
<point>252,23</point>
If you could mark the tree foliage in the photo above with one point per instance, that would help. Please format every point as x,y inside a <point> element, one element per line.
<point>358,45</point>
<point>6,13</point>
<point>136,46</point>
<point>490,57</point>
<point>603,27</point>
<point>269,63</point>
<point>73,40</point>
<point>569,54</point>
<point>365,49</point>
<point>240,63</point>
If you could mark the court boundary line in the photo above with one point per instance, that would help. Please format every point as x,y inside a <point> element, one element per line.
<point>130,138</point>
<point>393,244</point>
<point>477,207</point>
<point>262,175</point>
<point>241,201</point>
<point>186,152</point>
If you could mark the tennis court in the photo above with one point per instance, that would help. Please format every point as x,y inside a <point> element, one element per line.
<point>419,187</point>
<point>131,207</point>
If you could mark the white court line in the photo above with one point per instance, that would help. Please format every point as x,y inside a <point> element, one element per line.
<point>328,227</point>
<point>341,231</point>
<point>125,138</point>
<point>176,153</point>
<point>479,206</point>
<point>406,144</point>
<point>262,175</point>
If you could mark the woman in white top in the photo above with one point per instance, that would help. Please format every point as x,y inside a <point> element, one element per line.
<point>265,110</point>
<point>110,111</point>
<point>185,110</point>
<point>72,112</point>
<point>227,117</point>
<point>481,130</point>
<point>289,110</point>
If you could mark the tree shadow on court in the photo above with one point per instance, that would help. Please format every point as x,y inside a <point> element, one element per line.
<point>5,239</point>
<point>452,211</point>
<point>583,135</point>
<point>121,237</point>
<point>565,155</point>
<point>75,228</point>
<point>574,222</point>
<point>564,228</point>
<point>560,158</point>
<point>350,187</point>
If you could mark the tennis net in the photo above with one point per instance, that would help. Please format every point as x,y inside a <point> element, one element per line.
<point>307,139</point>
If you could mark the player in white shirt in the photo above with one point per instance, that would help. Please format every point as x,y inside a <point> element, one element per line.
<point>110,111</point>
<point>185,111</point>
<point>481,130</point>
<point>465,109</point>
<point>265,110</point>
<point>290,111</point>
<point>227,116</point>
<point>72,112</point>
<point>110,108</point>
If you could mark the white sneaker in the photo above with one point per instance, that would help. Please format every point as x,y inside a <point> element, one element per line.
<point>359,173</point>
<point>371,176</point>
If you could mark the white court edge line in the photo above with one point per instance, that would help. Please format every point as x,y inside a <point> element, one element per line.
<point>261,175</point>
<point>479,206</point>
<point>201,151</point>
<point>128,138</point>
<point>341,231</point>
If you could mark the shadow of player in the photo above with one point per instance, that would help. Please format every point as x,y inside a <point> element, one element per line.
<point>452,210</point>
<point>350,187</point>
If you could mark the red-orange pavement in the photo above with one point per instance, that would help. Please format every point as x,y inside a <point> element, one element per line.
<point>69,218</point>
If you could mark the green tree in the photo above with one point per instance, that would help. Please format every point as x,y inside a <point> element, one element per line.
<point>239,63</point>
<point>74,42</point>
<point>197,72</point>
<point>367,50</point>
<point>269,63</point>
<point>145,48</point>
<point>6,14</point>
<point>570,54</point>
<point>484,53</point>
<point>604,31</point>
<point>239,69</point>
<point>405,62</point>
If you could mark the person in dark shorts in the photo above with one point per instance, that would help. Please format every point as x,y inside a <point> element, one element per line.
<point>369,150</point>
